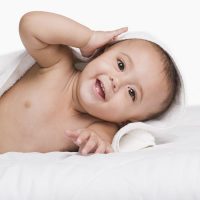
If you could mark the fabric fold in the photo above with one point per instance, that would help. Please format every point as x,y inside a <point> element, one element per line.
<point>12,67</point>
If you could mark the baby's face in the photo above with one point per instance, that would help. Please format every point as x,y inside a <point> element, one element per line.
<point>126,82</point>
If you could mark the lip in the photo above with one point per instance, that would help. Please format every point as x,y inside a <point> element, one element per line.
<point>96,90</point>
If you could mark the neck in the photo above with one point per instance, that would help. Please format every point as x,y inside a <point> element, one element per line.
<point>76,105</point>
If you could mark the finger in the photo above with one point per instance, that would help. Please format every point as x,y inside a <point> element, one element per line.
<point>121,30</point>
<point>89,146</point>
<point>109,149</point>
<point>101,148</point>
<point>114,34</point>
<point>83,137</point>
<point>73,134</point>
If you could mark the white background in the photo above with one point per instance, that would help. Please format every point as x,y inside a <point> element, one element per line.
<point>174,22</point>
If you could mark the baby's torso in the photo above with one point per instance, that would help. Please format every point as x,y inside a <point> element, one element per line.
<point>35,112</point>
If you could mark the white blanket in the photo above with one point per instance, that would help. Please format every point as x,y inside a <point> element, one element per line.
<point>168,171</point>
<point>12,67</point>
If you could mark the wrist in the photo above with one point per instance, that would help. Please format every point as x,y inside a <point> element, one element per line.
<point>88,49</point>
<point>88,42</point>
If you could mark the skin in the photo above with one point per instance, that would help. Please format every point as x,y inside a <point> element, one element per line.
<point>143,70</point>
<point>53,102</point>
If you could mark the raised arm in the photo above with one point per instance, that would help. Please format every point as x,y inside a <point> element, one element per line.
<point>42,34</point>
<point>46,36</point>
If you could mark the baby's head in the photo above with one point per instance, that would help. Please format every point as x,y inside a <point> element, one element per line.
<point>130,80</point>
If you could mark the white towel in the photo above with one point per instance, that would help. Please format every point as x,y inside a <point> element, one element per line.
<point>12,66</point>
<point>134,136</point>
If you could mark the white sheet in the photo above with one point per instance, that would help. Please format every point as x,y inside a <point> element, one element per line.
<point>168,171</point>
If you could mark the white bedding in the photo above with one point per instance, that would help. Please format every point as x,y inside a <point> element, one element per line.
<point>168,171</point>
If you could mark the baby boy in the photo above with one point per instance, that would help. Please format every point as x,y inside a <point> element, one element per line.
<point>55,107</point>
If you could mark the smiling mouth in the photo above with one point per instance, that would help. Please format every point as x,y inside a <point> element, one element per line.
<point>100,88</point>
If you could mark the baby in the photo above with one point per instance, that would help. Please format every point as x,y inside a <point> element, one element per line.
<point>55,107</point>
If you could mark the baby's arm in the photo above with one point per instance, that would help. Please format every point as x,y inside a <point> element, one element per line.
<point>46,36</point>
<point>44,33</point>
<point>97,138</point>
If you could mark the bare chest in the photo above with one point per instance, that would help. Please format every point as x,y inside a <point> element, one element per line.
<point>35,113</point>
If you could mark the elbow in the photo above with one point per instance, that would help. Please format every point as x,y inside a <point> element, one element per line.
<point>25,22</point>
<point>28,21</point>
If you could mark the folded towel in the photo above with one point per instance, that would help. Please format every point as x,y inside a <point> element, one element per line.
<point>133,136</point>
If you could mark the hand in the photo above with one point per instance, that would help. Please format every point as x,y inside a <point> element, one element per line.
<point>88,141</point>
<point>99,39</point>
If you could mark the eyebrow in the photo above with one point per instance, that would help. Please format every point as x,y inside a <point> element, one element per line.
<point>138,86</point>
<point>130,60</point>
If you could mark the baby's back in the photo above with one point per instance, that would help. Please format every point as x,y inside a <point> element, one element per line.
<point>36,111</point>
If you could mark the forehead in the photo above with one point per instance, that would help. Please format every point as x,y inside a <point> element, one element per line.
<point>139,51</point>
<point>144,56</point>
<point>133,44</point>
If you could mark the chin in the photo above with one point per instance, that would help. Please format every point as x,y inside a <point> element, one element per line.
<point>88,95</point>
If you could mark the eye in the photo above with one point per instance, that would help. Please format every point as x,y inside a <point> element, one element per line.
<point>121,65</point>
<point>131,92</point>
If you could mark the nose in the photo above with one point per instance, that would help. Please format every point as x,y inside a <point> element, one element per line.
<point>115,83</point>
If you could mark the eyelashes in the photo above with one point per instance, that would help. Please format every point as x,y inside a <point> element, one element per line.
<point>121,65</point>
<point>131,91</point>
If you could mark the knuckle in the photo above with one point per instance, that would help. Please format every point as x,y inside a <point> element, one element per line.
<point>90,144</point>
<point>80,131</point>
<point>84,131</point>
<point>101,148</point>
<point>84,134</point>
<point>92,133</point>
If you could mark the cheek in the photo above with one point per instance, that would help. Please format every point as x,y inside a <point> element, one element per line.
<point>123,106</point>
<point>119,104</point>
<point>86,93</point>
<point>100,65</point>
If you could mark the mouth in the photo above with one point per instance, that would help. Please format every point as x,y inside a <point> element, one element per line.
<point>99,87</point>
